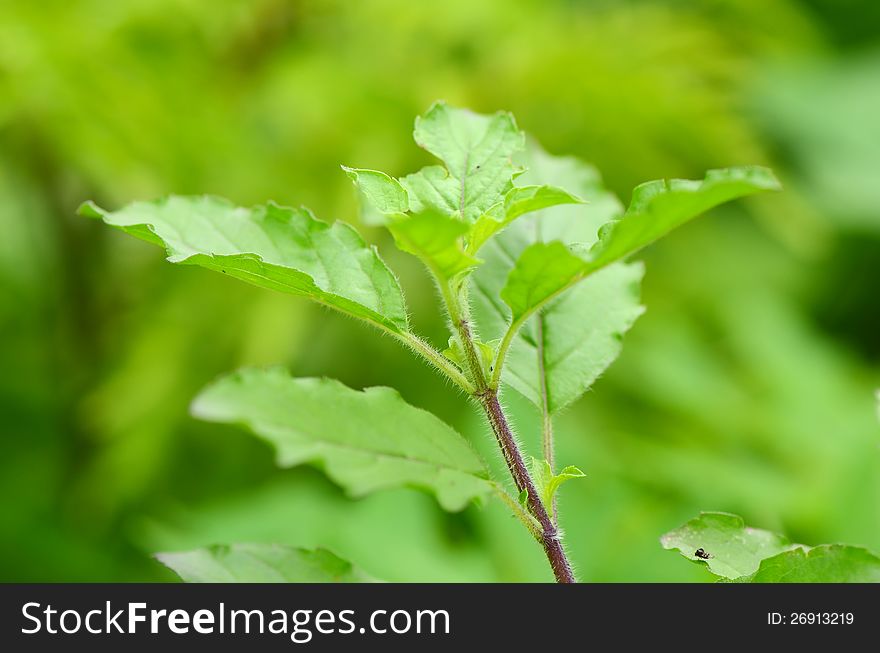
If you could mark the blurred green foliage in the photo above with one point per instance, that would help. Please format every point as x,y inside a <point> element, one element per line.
<point>747,387</point>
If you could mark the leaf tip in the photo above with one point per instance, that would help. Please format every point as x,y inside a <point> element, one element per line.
<point>573,472</point>
<point>89,209</point>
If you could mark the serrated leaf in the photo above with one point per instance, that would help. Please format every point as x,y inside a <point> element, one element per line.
<point>518,201</point>
<point>261,563</point>
<point>432,188</point>
<point>270,246</point>
<point>476,150</point>
<point>547,483</point>
<point>741,554</point>
<point>436,239</point>
<point>735,550</point>
<point>364,440</point>
<point>827,563</point>
<point>384,193</point>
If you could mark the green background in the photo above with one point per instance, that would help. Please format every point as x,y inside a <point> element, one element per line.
<point>748,386</point>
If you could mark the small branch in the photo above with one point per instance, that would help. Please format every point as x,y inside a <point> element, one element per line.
<point>547,532</point>
<point>501,355</point>
<point>437,359</point>
<point>470,352</point>
<point>546,419</point>
<point>527,520</point>
<point>515,326</point>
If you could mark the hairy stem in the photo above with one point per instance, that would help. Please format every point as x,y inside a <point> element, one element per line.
<point>501,355</point>
<point>549,533</point>
<point>437,359</point>
<point>519,512</point>
<point>546,419</point>
<point>546,532</point>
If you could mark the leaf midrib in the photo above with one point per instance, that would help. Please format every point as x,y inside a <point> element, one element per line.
<point>341,445</point>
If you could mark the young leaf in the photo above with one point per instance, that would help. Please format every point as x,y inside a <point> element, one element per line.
<point>455,353</point>
<point>477,152</point>
<point>261,563</point>
<point>734,549</point>
<point>517,202</point>
<point>273,247</point>
<point>541,272</point>
<point>436,239</point>
<point>463,203</point>
<point>828,563</point>
<point>433,189</point>
<point>658,207</point>
<point>364,440</point>
<point>561,352</point>
<point>548,483</point>
<point>544,270</point>
<point>528,199</point>
<point>384,193</point>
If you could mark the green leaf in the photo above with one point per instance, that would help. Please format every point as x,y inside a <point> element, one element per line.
<point>437,240</point>
<point>750,555</point>
<point>658,207</point>
<point>548,483</point>
<point>261,563</point>
<point>544,270</point>
<point>385,194</point>
<point>563,349</point>
<point>572,223</point>
<point>432,188</point>
<point>364,440</point>
<point>485,351</point>
<point>556,353</point>
<point>270,246</point>
<point>517,202</point>
<point>828,563</point>
<point>735,550</point>
<point>476,150</point>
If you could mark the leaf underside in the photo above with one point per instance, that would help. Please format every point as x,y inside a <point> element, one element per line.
<point>270,246</point>
<point>261,563</point>
<point>364,440</point>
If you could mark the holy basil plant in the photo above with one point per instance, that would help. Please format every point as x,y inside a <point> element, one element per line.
<point>531,257</point>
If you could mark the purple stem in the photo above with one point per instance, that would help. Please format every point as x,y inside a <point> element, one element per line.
<point>549,532</point>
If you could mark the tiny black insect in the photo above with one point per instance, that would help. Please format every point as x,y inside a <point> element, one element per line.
<point>700,553</point>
